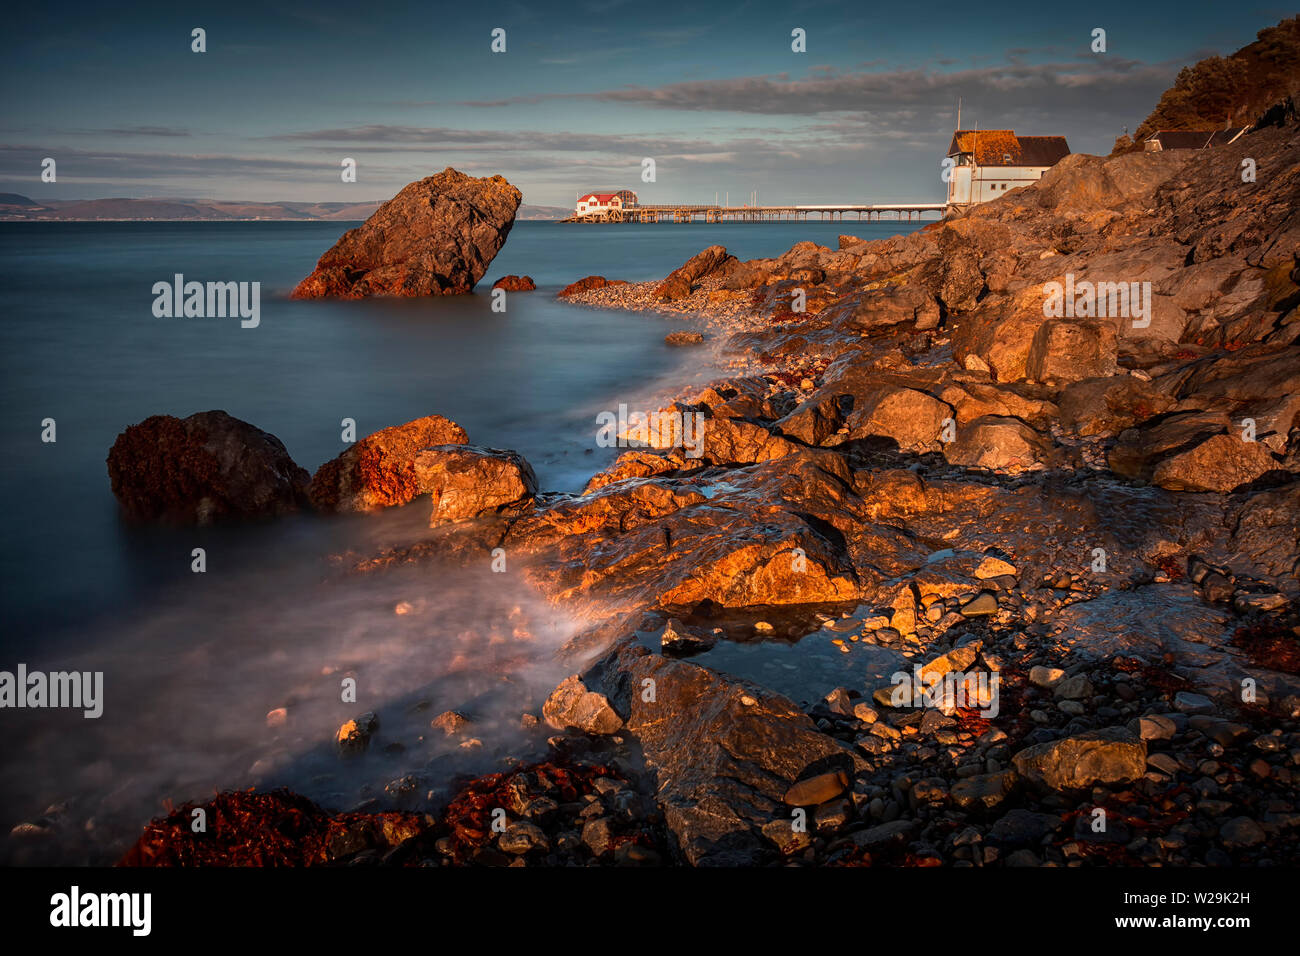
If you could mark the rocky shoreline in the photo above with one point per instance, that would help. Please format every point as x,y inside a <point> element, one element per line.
<point>1083,530</point>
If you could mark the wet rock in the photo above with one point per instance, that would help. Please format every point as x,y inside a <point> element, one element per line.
<point>1106,756</point>
<point>893,834</point>
<point>437,236</point>
<point>679,639</point>
<point>1241,832</point>
<point>521,837</point>
<point>354,736</point>
<point>1023,828</point>
<point>206,468</point>
<point>984,793</point>
<point>451,722</point>
<point>466,481</point>
<point>818,789</point>
<point>379,471</point>
<point>572,705</point>
<point>1188,703</point>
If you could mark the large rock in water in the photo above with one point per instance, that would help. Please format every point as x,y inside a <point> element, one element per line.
<point>466,482</point>
<point>379,471</point>
<point>205,468</point>
<point>435,237</point>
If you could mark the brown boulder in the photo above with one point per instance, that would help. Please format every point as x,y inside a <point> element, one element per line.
<point>466,481</point>
<point>1108,756</point>
<point>435,237</point>
<point>205,468</point>
<point>379,470</point>
<point>572,705</point>
<point>515,283</point>
<point>1221,463</point>
<point>1064,350</point>
<point>588,284</point>
<point>997,442</point>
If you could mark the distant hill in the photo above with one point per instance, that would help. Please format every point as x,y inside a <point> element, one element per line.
<point>1219,92</point>
<point>16,207</point>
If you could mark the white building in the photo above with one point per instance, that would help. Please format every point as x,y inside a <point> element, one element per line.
<point>989,162</point>
<point>595,204</point>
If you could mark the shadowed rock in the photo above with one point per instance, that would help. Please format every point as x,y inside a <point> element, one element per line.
<point>202,469</point>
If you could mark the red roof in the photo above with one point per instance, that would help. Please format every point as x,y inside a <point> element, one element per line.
<point>599,197</point>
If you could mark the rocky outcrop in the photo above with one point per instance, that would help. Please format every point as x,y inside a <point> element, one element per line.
<point>712,261</point>
<point>435,237</point>
<point>379,471</point>
<point>206,468</point>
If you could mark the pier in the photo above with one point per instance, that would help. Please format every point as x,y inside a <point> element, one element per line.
<point>703,212</point>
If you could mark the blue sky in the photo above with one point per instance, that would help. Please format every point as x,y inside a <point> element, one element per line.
<point>583,93</point>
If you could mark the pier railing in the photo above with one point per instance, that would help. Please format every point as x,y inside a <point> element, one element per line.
<point>714,213</point>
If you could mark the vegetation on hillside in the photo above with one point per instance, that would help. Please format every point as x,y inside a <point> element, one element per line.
<point>1219,92</point>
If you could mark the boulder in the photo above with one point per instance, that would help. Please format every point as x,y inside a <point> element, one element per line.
<point>1111,755</point>
<point>680,282</point>
<point>435,237</point>
<point>728,756</point>
<point>588,284</point>
<point>684,338</point>
<point>379,470</point>
<point>1065,350</point>
<point>1221,463</point>
<point>515,284</point>
<point>572,705</point>
<point>205,468</point>
<point>890,306</point>
<point>910,417</point>
<point>999,443</point>
<point>466,481</point>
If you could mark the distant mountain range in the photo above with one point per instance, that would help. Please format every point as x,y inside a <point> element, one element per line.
<point>15,207</point>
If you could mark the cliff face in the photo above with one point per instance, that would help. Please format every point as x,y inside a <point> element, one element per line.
<point>435,237</point>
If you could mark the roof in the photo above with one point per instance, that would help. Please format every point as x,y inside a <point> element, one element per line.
<point>1194,138</point>
<point>599,197</point>
<point>1002,147</point>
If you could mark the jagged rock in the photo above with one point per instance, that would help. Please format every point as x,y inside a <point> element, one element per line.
<point>205,468</point>
<point>466,481</point>
<point>1107,756</point>
<point>678,285</point>
<point>724,751</point>
<point>572,705</point>
<point>435,237</point>
<point>354,736</point>
<point>379,471</point>
<point>890,306</point>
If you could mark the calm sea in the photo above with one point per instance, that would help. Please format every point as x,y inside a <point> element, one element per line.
<point>193,662</point>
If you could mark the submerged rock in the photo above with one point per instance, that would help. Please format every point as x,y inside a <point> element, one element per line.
<point>435,237</point>
<point>205,468</point>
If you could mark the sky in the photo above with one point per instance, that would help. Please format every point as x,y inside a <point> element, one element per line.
<point>583,93</point>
